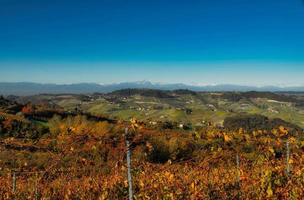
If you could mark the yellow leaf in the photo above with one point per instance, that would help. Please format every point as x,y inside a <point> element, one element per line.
<point>247,137</point>
<point>283,130</point>
<point>141,184</point>
<point>126,183</point>
<point>271,150</point>
<point>290,161</point>
<point>292,140</point>
<point>269,191</point>
<point>226,138</point>
<point>192,185</point>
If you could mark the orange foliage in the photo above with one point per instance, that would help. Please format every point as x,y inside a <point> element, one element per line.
<point>86,160</point>
<point>28,109</point>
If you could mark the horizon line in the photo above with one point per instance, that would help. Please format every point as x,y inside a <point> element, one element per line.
<point>157,83</point>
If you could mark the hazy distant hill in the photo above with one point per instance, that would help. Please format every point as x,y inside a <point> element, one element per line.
<point>237,96</point>
<point>27,88</point>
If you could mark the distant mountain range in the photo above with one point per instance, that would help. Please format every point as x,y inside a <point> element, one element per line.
<point>28,88</point>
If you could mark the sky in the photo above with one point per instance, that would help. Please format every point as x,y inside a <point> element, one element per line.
<point>201,42</point>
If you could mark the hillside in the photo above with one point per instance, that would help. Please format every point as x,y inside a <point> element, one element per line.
<point>74,156</point>
<point>234,96</point>
<point>177,106</point>
<point>183,106</point>
<point>142,92</point>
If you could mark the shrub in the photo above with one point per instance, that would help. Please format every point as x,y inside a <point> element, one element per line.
<point>174,148</point>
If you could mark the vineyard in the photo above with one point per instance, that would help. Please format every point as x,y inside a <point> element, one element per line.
<point>151,100</point>
<point>82,159</point>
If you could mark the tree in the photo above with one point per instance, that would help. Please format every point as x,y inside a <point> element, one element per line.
<point>28,109</point>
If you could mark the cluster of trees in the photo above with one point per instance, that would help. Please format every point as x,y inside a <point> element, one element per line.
<point>10,127</point>
<point>257,122</point>
<point>8,106</point>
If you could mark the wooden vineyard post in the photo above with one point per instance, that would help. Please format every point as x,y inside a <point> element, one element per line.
<point>129,165</point>
<point>238,175</point>
<point>14,183</point>
<point>36,187</point>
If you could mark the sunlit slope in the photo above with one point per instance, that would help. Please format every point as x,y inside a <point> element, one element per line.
<point>186,108</point>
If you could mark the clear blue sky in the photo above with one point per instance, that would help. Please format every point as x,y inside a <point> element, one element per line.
<point>249,42</point>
